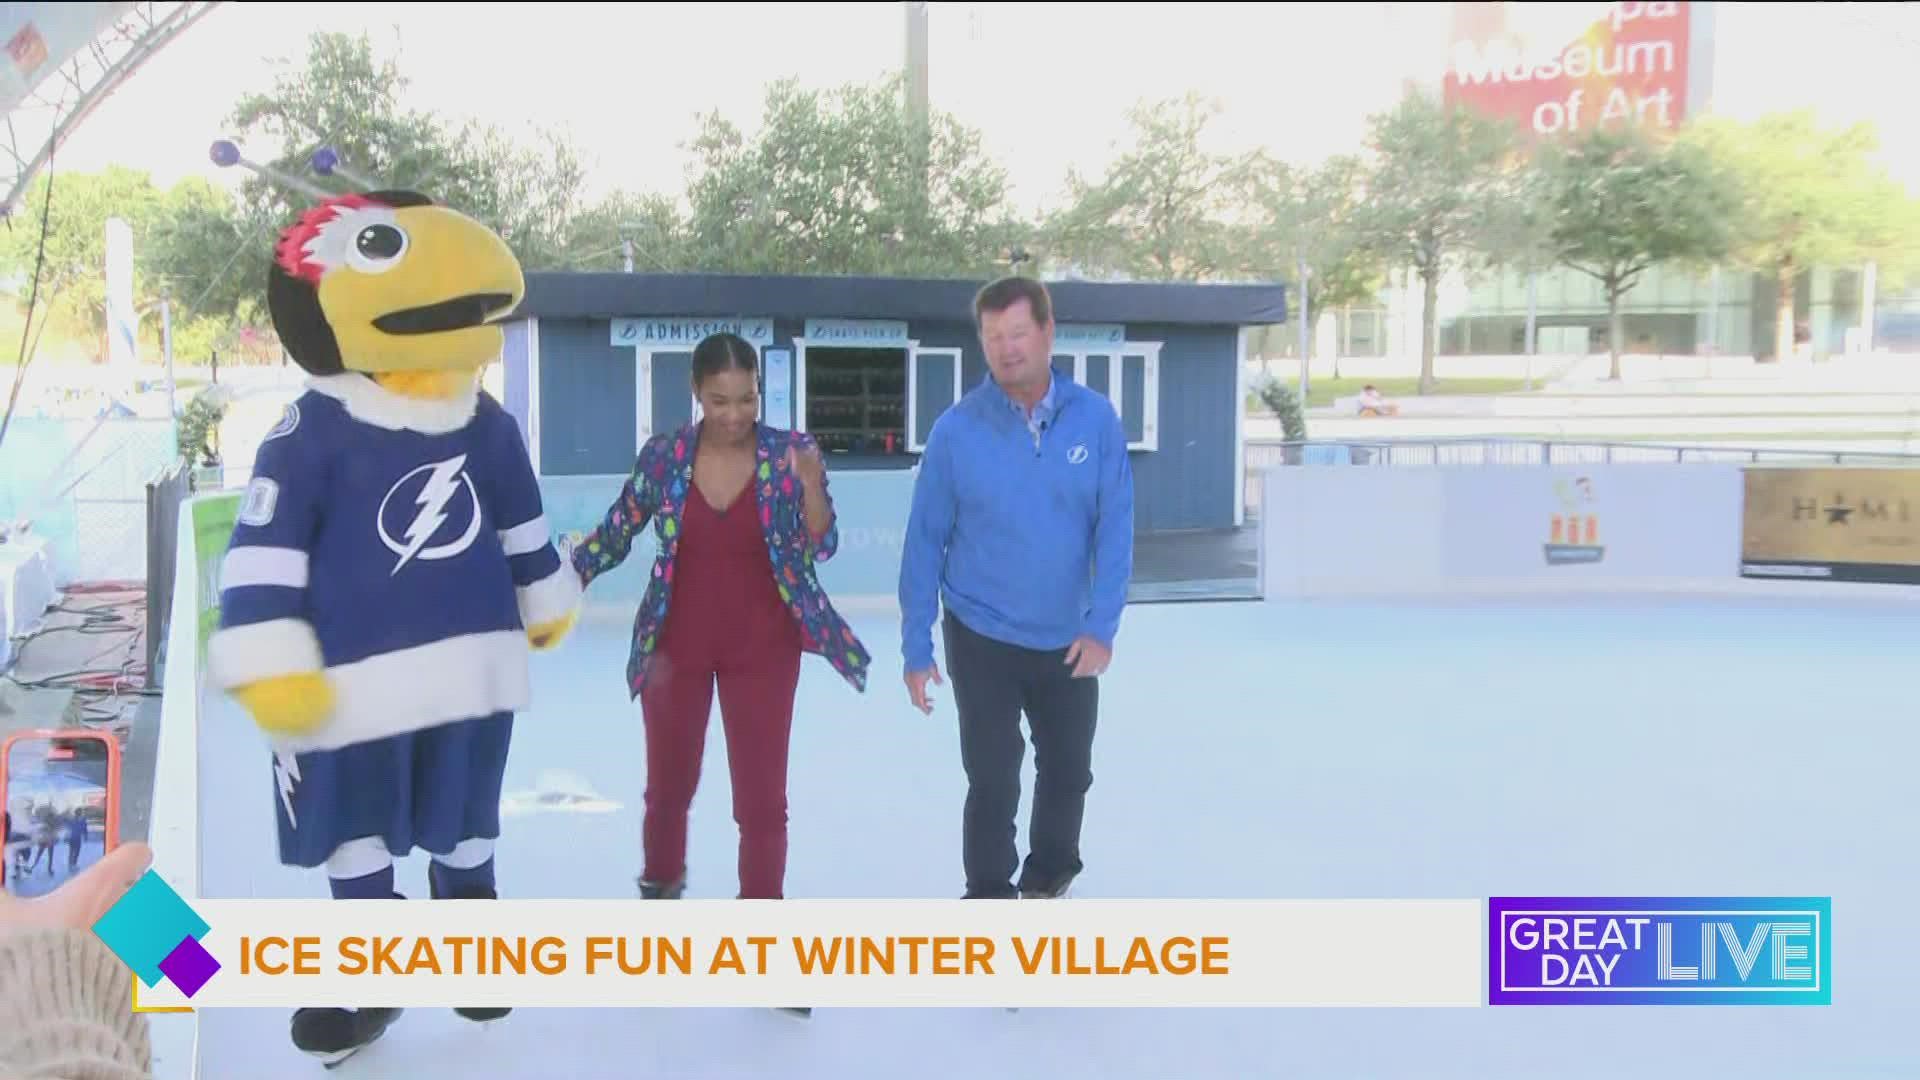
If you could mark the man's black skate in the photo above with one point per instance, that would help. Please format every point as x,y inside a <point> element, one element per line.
<point>1055,890</point>
<point>334,1035</point>
<point>477,1015</point>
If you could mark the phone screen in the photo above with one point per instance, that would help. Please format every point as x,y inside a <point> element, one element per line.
<point>59,791</point>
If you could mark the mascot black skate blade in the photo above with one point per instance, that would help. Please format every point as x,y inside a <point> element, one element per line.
<point>334,1035</point>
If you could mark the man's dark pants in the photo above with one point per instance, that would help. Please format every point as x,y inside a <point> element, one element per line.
<point>993,683</point>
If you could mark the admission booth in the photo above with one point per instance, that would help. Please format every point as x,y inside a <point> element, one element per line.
<point>595,364</point>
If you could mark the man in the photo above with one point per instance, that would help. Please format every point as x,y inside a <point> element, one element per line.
<point>1022,527</point>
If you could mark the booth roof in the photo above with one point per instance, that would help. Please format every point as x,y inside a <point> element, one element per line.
<point>563,295</point>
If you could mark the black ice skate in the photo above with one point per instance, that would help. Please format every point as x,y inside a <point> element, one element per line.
<point>654,890</point>
<point>477,1015</point>
<point>334,1035</point>
<point>1057,890</point>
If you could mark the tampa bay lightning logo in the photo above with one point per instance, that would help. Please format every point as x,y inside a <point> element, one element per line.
<point>423,516</point>
<point>289,419</point>
<point>286,773</point>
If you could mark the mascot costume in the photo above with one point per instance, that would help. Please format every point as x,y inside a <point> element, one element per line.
<point>391,565</point>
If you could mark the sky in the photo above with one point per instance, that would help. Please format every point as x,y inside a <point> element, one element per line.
<point>1047,86</point>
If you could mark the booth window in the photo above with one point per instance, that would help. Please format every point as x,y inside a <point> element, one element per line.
<point>1128,376</point>
<point>856,400</point>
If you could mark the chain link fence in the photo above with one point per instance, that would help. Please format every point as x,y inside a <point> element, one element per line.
<point>110,502</point>
<point>81,484</point>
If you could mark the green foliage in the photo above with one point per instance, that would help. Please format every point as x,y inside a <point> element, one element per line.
<point>1441,195</point>
<point>73,280</point>
<point>1162,210</point>
<point>1611,204</point>
<point>832,184</point>
<point>848,181</point>
<point>1281,401</point>
<point>1808,196</point>
<point>1311,216</point>
<point>198,429</point>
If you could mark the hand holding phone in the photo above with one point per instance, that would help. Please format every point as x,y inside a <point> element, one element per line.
<point>59,807</point>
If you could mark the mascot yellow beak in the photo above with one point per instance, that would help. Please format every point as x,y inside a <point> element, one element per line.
<point>392,283</point>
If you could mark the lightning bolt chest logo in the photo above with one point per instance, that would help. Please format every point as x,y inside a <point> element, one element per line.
<point>440,493</point>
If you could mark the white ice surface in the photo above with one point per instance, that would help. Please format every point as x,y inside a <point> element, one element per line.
<point>1591,746</point>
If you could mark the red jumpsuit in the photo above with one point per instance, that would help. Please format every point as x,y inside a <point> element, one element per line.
<point>726,624</point>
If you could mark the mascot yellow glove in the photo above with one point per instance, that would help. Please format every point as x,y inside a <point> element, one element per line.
<point>288,704</point>
<point>546,635</point>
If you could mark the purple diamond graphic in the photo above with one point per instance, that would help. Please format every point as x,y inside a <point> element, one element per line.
<point>189,966</point>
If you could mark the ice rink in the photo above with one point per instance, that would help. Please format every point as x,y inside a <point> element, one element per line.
<point>1610,746</point>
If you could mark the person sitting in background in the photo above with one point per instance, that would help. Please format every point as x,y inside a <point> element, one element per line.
<point>1372,404</point>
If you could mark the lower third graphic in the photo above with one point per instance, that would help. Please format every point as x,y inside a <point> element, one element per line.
<point>154,932</point>
<point>1660,951</point>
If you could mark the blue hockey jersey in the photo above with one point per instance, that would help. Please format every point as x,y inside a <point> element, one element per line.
<point>400,546</point>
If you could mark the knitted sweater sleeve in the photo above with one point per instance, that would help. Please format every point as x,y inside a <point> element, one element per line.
<point>66,1010</point>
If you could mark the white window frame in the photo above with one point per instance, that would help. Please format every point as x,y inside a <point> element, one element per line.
<point>1240,388</point>
<point>1116,385</point>
<point>643,392</point>
<point>800,346</point>
<point>914,352</point>
<point>533,394</point>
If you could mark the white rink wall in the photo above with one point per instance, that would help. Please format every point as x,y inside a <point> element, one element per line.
<point>1360,531</point>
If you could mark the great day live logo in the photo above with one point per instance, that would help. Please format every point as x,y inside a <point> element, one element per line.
<point>154,932</point>
<point>1660,951</point>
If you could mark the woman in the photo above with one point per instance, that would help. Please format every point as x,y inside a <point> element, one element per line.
<point>741,513</point>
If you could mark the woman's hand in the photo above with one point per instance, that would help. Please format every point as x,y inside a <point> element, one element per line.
<point>81,901</point>
<point>812,471</point>
<point>808,466</point>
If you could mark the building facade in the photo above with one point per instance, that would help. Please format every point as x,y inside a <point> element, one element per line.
<point>596,364</point>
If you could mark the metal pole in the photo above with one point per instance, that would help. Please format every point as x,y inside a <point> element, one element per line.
<point>1306,339</point>
<point>1869,300</point>
<point>919,112</point>
<point>1713,312</point>
<point>166,347</point>
<point>626,253</point>
<point>1533,304</point>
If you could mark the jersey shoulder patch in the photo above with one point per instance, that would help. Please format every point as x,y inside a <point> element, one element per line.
<point>289,420</point>
<point>256,506</point>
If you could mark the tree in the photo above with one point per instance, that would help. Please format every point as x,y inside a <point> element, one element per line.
<point>1615,203</point>
<point>1163,210</point>
<point>1309,217</point>
<point>73,282</point>
<point>651,226</point>
<point>196,245</point>
<point>831,183</point>
<point>344,96</point>
<point>1440,196</point>
<point>1807,197</point>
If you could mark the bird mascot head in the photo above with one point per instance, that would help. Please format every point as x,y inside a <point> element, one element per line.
<point>389,284</point>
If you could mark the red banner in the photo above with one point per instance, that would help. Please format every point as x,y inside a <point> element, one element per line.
<point>1561,68</point>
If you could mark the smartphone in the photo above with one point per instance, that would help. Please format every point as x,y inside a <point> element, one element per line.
<point>60,791</point>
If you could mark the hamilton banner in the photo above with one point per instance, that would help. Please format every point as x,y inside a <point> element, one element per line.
<point>1832,525</point>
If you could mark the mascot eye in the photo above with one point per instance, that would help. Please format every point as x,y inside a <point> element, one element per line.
<point>377,248</point>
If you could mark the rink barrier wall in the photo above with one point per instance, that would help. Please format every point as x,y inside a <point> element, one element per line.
<point>174,830</point>
<point>1656,528</point>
